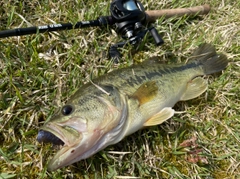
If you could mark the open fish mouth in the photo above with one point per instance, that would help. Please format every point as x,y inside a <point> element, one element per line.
<point>70,142</point>
<point>68,149</point>
<point>74,145</point>
<point>59,135</point>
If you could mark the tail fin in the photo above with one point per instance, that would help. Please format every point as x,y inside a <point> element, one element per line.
<point>211,61</point>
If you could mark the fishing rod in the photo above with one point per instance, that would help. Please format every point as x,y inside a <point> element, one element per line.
<point>128,18</point>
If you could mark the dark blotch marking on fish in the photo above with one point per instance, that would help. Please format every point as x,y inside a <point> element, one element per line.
<point>150,75</point>
<point>133,80</point>
<point>139,78</point>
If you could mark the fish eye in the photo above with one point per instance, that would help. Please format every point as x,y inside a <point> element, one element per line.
<point>67,109</point>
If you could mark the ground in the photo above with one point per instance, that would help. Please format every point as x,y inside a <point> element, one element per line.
<point>40,72</point>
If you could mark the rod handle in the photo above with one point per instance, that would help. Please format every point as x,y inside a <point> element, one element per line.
<point>152,16</point>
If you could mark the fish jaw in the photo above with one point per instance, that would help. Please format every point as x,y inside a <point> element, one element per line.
<point>88,144</point>
<point>69,154</point>
<point>78,144</point>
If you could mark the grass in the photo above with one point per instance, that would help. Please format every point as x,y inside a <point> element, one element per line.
<point>39,72</point>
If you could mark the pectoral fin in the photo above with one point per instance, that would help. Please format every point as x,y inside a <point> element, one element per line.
<point>160,117</point>
<point>146,92</point>
<point>194,88</point>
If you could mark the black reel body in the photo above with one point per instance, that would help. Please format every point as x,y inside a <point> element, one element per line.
<point>128,16</point>
<point>129,21</point>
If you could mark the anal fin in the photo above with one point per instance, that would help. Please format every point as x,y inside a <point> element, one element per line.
<point>160,117</point>
<point>194,88</point>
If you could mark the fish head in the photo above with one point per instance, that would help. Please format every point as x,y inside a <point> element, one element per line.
<point>84,126</point>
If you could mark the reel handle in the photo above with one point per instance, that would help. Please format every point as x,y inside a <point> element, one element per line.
<point>157,38</point>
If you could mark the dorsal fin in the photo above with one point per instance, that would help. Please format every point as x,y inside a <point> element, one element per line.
<point>206,56</point>
<point>153,61</point>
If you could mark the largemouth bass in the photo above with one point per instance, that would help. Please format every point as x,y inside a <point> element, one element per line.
<point>105,110</point>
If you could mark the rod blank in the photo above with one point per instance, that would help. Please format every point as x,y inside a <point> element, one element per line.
<point>47,28</point>
<point>151,16</point>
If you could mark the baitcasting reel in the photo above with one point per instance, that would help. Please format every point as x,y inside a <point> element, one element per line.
<point>129,18</point>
